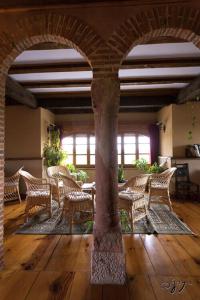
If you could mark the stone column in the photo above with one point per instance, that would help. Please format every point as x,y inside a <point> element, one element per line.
<point>108,261</point>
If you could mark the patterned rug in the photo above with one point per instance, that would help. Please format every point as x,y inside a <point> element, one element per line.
<point>159,221</point>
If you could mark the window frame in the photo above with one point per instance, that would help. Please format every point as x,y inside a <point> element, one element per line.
<point>88,154</point>
<point>87,135</point>
<point>137,153</point>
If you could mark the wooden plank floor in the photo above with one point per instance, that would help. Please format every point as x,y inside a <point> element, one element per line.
<point>57,267</point>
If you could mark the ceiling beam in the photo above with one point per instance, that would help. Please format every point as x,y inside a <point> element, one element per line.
<point>165,62</point>
<point>84,66</point>
<point>139,92</point>
<point>134,81</point>
<point>17,92</point>
<point>190,92</point>
<point>49,67</point>
<point>125,102</point>
<point>89,110</point>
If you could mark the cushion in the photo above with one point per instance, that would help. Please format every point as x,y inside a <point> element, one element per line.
<point>78,196</point>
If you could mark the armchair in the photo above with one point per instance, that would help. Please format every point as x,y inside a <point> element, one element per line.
<point>38,193</point>
<point>131,197</point>
<point>11,187</point>
<point>159,187</point>
<point>78,206</point>
<point>55,174</point>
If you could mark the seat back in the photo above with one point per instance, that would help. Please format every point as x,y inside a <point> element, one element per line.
<point>28,179</point>
<point>164,178</point>
<point>55,171</point>
<point>26,175</point>
<point>70,185</point>
<point>138,183</point>
<point>14,178</point>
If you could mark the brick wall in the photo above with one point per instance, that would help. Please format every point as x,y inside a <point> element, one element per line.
<point>180,21</point>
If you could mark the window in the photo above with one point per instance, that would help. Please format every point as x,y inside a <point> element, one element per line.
<point>81,149</point>
<point>132,147</point>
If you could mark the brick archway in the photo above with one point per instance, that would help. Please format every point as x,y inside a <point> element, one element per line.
<point>39,28</point>
<point>168,21</point>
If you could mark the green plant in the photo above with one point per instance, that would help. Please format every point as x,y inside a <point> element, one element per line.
<point>81,175</point>
<point>89,226</point>
<point>155,168</point>
<point>120,174</point>
<point>142,164</point>
<point>125,223</point>
<point>53,154</point>
<point>71,168</point>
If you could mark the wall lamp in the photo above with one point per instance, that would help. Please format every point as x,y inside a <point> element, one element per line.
<point>161,126</point>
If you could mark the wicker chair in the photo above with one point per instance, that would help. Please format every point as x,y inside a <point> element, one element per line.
<point>78,206</point>
<point>38,193</point>
<point>159,187</point>
<point>131,198</point>
<point>11,187</point>
<point>55,174</point>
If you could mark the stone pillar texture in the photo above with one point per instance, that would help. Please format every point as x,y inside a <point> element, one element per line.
<point>108,260</point>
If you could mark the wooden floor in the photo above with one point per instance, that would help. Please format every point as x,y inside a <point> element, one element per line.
<point>57,267</point>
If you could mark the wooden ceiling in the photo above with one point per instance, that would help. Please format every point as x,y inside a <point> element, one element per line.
<point>59,79</point>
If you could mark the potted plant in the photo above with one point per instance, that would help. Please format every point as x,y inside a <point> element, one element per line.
<point>53,154</point>
<point>121,178</point>
<point>80,175</point>
<point>142,165</point>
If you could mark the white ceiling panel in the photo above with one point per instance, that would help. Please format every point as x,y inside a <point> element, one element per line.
<point>159,72</point>
<point>48,56</point>
<point>164,50</point>
<point>153,86</point>
<point>123,73</point>
<point>123,87</point>
<point>139,52</point>
<point>54,76</point>
<point>60,90</point>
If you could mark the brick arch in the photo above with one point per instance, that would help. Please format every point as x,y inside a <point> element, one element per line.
<point>173,21</point>
<point>39,28</point>
<point>43,27</point>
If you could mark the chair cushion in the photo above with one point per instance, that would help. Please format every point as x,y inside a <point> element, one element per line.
<point>159,186</point>
<point>78,196</point>
<point>131,196</point>
<point>39,193</point>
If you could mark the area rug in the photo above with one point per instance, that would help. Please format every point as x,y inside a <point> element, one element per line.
<point>160,220</point>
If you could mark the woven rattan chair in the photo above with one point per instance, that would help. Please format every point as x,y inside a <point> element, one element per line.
<point>159,187</point>
<point>78,206</point>
<point>55,174</point>
<point>11,187</point>
<point>131,198</point>
<point>38,194</point>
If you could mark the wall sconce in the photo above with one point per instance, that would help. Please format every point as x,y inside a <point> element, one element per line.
<point>161,126</point>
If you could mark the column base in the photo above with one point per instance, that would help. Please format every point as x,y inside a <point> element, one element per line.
<point>108,259</point>
<point>108,268</point>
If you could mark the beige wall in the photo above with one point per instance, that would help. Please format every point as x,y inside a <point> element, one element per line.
<point>166,142</point>
<point>22,132</point>
<point>178,121</point>
<point>138,122</point>
<point>25,135</point>
<point>182,123</point>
